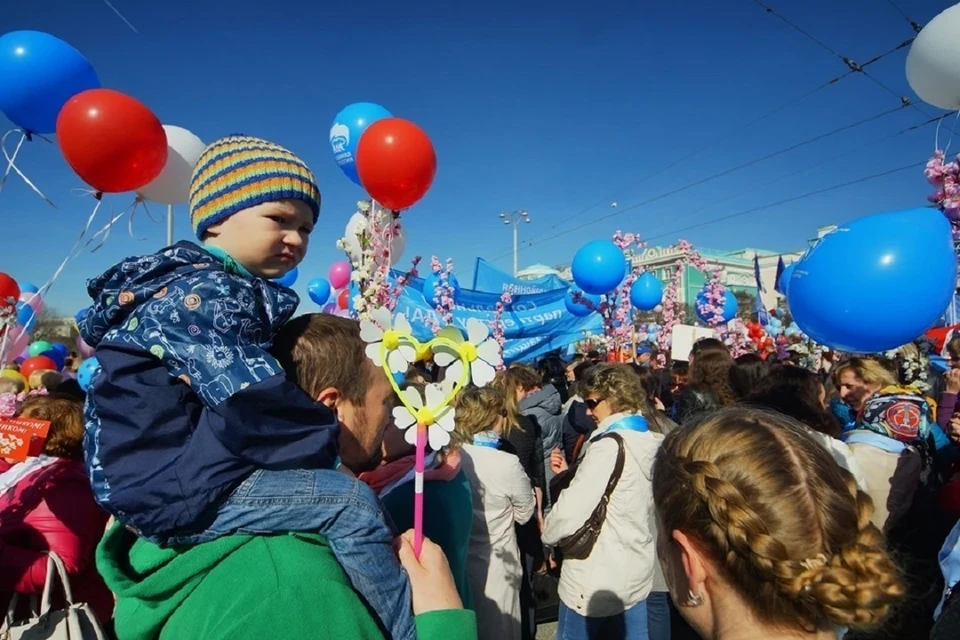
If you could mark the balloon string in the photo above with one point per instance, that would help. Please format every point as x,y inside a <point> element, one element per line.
<point>12,166</point>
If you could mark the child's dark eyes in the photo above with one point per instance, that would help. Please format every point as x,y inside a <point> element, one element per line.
<point>277,219</point>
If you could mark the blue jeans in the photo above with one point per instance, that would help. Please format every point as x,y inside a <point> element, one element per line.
<point>342,509</point>
<point>658,615</point>
<point>629,625</point>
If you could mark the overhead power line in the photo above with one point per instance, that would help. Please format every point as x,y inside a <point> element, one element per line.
<point>916,27</point>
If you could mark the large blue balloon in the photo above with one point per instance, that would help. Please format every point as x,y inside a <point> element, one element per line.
<point>60,348</point>
<point>432,281</point>
<point>646,292</point>
<point>319,290</point>
<point>289,279</point>
<point>877,282</point>
<point>598,267</point>
<point>38,74</point>
<point>346,130</point>
<point>586,305</point>
<point>784,282</point>
<point>86,372</point>
<point>729,306</point>
<point>26,316</point>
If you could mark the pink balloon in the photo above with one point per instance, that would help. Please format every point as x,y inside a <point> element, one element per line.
<point>339,275</point>
<point>13,343</point>
<point>84,349</point>
<point>32,299</point>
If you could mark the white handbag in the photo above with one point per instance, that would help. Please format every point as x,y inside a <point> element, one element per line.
<point>75,622</point>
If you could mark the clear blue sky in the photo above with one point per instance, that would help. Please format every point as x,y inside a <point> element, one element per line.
<point>532,105</point>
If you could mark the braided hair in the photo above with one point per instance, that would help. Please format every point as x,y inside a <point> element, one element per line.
<point>784,523</point>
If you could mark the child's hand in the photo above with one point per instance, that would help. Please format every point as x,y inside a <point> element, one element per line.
<point>952,380</point>
<point>430,578</point>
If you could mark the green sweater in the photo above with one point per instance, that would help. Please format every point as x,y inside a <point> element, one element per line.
<point>279,587</point>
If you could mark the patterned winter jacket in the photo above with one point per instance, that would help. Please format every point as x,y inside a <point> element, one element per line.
<point>187,402</point>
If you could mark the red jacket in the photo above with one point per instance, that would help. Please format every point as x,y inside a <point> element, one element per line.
<point>52,509</point>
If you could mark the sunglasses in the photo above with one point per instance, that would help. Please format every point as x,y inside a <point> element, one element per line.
<point>592,403</point>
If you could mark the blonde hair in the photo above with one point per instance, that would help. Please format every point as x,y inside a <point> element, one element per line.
<point>477,409</point>
<point>44,379</point>
<point>785,524</point>
<point>618,385</point>
<point>868,370</point>
<point>510,382</point>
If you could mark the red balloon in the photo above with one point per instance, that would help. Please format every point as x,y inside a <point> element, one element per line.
<point>396,162</point>
<point>112,141</point>
<point>343,300</point>
<point>9,291</point>
<point>37,363</point>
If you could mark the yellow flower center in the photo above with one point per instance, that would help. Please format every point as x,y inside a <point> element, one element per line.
<point>469,351</point>
<point>424,416</point>
<point>391,339</point>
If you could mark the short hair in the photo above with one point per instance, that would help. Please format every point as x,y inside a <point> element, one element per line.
<point>477,409</point>
<point>867,369</point>
<point>65,415</point>
<point>953,347</point>
<point>318,351</point>
<point>618,385</point>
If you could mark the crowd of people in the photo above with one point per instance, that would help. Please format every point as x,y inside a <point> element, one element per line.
<point>236,472</point>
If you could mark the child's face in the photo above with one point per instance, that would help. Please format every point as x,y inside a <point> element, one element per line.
<point>269,239</point>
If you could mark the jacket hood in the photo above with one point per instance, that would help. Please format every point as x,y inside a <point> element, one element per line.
<point>546,400</point>
<point>119,291</point>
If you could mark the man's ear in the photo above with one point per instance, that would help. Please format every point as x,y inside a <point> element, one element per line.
<point>330,397</point>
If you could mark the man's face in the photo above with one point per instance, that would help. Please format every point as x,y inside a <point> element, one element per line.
<point>362,426</point>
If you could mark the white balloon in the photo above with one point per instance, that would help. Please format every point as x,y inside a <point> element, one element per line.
<point>933,64</point>
<point>398,245</point>
<point>172,186</point>
<point>351,236</point>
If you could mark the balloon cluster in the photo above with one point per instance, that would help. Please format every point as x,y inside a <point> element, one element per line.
<point>392,158</point>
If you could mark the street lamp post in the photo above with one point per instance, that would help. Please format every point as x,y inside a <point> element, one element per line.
<point>514,218</point>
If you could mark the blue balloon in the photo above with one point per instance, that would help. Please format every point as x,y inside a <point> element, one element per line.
<point>586,305</point>
<point>729,305</point>
<point>289,279</point>
<point>61,348</point>
<point>876,283</point>
<point>86,372</point>
<point>646,292</point>
<point>81,315</point>
<point>26,316</point>
<point>346,130</point>
<point>56,356</point>
<point>784,281</point>
<point>38,75</point>
<point>319,290</point>
<point>432,281</point>
<point>26,287</point>
<point>598,267</point>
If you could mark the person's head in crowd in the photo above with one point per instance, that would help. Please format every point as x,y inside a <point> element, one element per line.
<point>679,376</point>
<point>11,385</point>
<point>70,387</point>
<point>857,378</point>
<point>515,382</point>
<point>761,531</point>
<point>418,373</point>
<point>478,409</point>
<point>710,371</point>
<point>748,370</point>
<point>578,374</point>
<point>47,379</point>
<point>798,393</point>
<point>395,445</point>
<point>704,346</point>
<point>325,356</point>
<point>645,356</point>
<point>609,389</point>
<point>953,351</point>
<point>594,356</point>
<point>65,415</point>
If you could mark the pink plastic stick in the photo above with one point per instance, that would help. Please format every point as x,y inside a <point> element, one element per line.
<point>418,490</point>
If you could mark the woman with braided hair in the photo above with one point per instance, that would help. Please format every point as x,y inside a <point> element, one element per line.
<point>763,535</point>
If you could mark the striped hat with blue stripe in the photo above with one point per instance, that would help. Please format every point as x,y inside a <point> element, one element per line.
<point>238,172</point>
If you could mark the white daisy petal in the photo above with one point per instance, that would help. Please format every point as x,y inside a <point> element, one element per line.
<point>413,397</point>
<point>410,435</point>
<point>403,418</point>
<point>438,438</point>
<point>370,332</point>
<point>447,385</point>
<point>408,351</point>
<point>482,373</point>
<point>381,315</point>
<point>373,352</point>
<point>477,331</point>
<point>401,324</point>
<point>446,419</point>
<point>443,356</point>
<point>434,395</point>
<point>398,364</point>
<point>489,352</point>
<point>455,372</point>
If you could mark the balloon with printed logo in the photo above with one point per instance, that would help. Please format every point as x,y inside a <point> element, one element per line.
<point>114,142</point>
<point>9,292</point>
<point>288,279</point>
<point>172,186</point>
<point>80,315</point>
<point>598,267</point>
<point>396,162</point>
<point>37,363</point>
<point>86,373</point>
<point>38,75</point>
<point>345,132</point>
<point>646,292</point>
<point>85,350</point>
<point>39,347</point>
<point>319,290</point>
<point>339,274</point>
<point>580,305</point>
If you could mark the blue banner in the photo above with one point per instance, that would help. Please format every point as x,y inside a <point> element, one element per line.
<point>533,324</point>
<point>488,279</point>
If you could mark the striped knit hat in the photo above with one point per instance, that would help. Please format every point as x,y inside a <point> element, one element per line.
<point>238,172</point>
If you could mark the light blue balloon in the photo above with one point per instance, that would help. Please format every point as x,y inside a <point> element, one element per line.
<point>432,281</point>
<point>876,283</point>
<point>784,281</point>
<point>598,267</point>
<point>346,130</point>
<point>86,372</point>
<point>729,305</point>
<point>586,305</point>
<point>319,290</point>
<point>646,292</point>
<point>289,279</point>
<point>38,75</point>
<point>26,287</point>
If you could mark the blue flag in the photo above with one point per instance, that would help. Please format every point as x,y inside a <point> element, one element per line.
<point>776,283</point>
<point>762,316</point>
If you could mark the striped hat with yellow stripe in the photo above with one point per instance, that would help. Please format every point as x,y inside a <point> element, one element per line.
<point>238,172</point>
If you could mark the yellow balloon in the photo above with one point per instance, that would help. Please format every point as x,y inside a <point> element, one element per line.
<point>15,375</point>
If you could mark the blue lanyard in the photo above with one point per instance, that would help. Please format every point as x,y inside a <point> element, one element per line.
<point>630,423</point>
<point>486,439</point>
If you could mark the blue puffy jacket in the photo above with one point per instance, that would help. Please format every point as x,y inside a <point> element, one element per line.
<point>188,402</point>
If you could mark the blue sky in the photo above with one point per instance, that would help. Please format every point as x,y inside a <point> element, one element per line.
<point>535,105</point>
